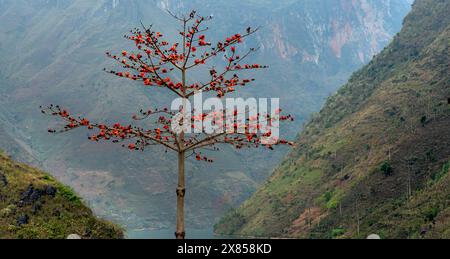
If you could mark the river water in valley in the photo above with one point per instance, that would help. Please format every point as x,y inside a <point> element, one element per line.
<point>169,234</point>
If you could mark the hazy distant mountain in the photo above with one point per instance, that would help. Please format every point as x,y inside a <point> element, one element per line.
<point>52,51</point>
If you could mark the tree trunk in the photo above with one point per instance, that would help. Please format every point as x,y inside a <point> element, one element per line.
<point>181,192</point>
<point>181,189</point>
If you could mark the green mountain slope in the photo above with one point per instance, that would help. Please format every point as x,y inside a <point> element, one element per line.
<point>376,158</point>
<point>34,206</point>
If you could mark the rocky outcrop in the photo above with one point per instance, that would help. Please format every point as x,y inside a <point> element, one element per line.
<point>33,205</point>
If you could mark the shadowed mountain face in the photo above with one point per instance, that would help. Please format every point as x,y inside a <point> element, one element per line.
<point>376,159</point>
<point>53,52</point>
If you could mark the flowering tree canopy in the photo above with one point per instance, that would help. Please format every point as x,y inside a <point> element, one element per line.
<point>158,63</point>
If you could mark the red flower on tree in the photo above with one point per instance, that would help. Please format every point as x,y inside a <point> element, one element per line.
<point>152,64</point>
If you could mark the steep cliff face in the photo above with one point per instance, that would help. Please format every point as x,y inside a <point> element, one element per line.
<point>301,29</point>
<point>376,158</point>
<point>53,52</point>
